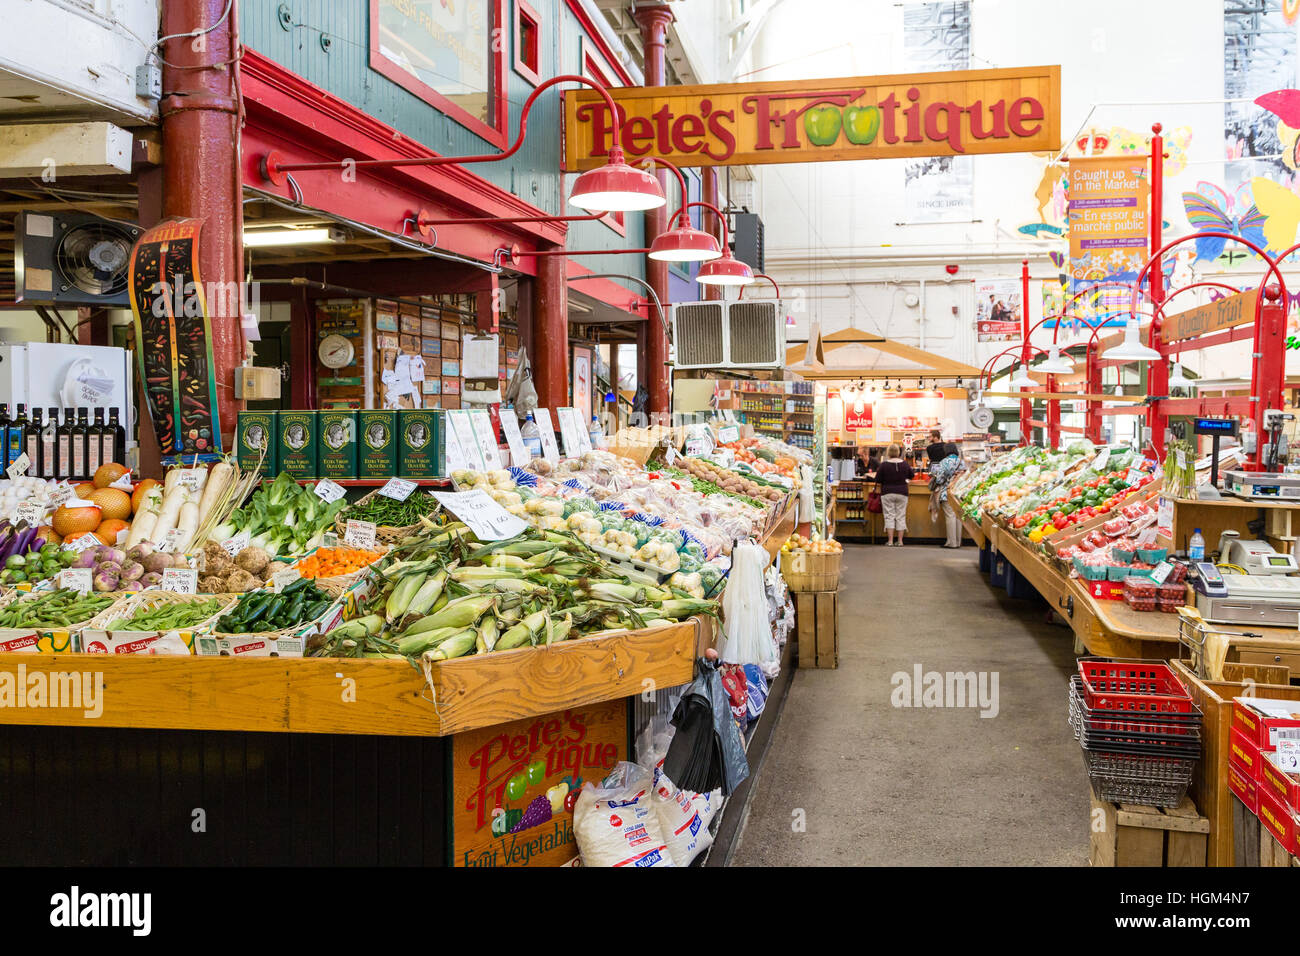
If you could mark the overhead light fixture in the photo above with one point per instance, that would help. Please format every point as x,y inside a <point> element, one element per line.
<point>684,243</point>
<point>1131,350</point>
<point>725,271</point>
<point>1055,363</point>
<point>1178,379</point>
<point>1119,391</point>
<point>257,238</point>
<point>1022,380</point>
<point>617,187</point>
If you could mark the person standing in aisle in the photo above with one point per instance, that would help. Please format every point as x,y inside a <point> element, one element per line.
<point>942,472</point>
<point>891,478</point>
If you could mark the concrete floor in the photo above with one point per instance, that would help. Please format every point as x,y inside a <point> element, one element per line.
<point>877,784</point>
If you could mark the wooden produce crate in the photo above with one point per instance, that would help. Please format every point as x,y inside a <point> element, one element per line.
<point>1209,787</point>
<point>1128,834</point>
<point>817,619</point>
<point>810,572</point>
<point>1252,843</point>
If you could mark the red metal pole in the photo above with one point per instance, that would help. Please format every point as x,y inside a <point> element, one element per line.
<point>1158,371</point>
<point>709,223</point>
<point>201,180</point>
<point>1026,406</point>
<point>654,21</point>
<point>1268,366</point>
<point>551,332</point>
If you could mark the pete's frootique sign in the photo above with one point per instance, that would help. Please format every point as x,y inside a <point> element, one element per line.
<point>809,121</point>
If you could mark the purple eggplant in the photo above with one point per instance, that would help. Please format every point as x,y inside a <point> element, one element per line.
<point>28,542</point>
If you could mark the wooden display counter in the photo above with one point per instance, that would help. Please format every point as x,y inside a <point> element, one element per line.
<point>1113,629</point>
<point>871,527</point>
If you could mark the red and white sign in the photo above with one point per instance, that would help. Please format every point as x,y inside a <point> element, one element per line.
<point>855,420</point>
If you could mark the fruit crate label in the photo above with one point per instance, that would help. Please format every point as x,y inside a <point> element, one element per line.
<point>399,489</point>
<point>81,543</point>
<point>32,514</point>
<point>18,467</point>
<point>81,580</point>
<point>359,534</point>
<point>180,580</point>
<point>236,544</point>
<point>328,491</point>
<point>487,519</point>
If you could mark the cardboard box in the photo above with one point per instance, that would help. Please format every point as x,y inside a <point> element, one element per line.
<point>419,443</point>
<point>1105,590</point>
<point>1281,783</point>
<point>253,645</point>
<point>20,640</point>
<point>1277,819</point>
<point>98,641</point>
<point>1244,786</point>
<point>1251,716</point>
<point>255,431</point>
<point>817,625</point>
<point>1243,753</point>
<point>296,443</point>
<point>376,443</point>
<point>336,448</point>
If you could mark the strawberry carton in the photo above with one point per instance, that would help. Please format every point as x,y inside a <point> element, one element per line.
<point>1260,718</point>
<point>1244,786</point>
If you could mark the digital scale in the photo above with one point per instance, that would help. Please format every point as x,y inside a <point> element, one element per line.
<point>1258,558</point>
<point>1261,485</point>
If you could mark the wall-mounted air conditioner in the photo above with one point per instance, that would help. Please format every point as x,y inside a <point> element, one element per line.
<point>739,334</point>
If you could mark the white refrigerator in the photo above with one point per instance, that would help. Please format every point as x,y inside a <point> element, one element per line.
<point>49,375</point>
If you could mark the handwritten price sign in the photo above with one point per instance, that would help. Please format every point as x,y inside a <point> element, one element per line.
<point>487,519</point>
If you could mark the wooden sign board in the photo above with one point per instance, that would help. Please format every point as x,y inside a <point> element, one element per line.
<point>513,785</point>
<point>956,113</point>
<point>1226,313</point>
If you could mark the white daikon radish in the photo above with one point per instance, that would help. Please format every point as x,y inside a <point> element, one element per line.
<point>141,528</point>
<point>200,477</point>
<point>172,502</point>
<point>219,479</point>
<point>186,525</point>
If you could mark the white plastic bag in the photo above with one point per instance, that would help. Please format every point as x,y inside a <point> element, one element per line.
<point>747,625</point>
<point>684,819</point>
<point>616,824</point>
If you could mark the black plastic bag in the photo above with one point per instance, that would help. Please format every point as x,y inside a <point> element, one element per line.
<point>706,752</point>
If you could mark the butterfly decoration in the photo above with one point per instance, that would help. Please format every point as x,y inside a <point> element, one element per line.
<point>1285,105</point>
<point>1210,208</point>
<point>1281,210</point>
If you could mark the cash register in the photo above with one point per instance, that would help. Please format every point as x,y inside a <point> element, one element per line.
<point>1265,594</point>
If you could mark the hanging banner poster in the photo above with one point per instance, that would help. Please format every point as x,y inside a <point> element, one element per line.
<point>1107,219</point>
<point>858,420</point>
<point>998,308</point>
<point>173,341</point>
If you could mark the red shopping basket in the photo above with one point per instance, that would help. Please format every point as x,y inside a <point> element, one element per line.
<point>1137,686</point>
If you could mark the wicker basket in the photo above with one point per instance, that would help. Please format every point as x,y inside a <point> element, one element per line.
<point>810,572</point>
<point>46,639</point>
<point>336,585</point>
<point>97,637</point>
<point>386,535</point>
<point>148,600</point>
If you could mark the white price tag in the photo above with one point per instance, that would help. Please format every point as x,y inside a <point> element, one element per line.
<point>695,447</point>
<point>32,514</point>
<point>124,484</point>
<point>1134,475</point>
<point>173,538</point>
<point>1288,754</point>
<point>283,578</point>
<point>79,579</point>
<point>359,534</point>
<point>59,494</point>
<point>670,455</point>
<point>399,489</point>
<point>518,450</point>
<point>550,451</point>
<point>462,426</point>
<point>328,491</point>
<point>180,580</point>
<point>329,539</point>
<point>486,436</point>
<point>18,467</point>
<point>568,432</point>
<point>190,479</point>
<point>728,434</point>
<point>487,519</point>
<point>1103,458</point>
<point>80,544</point>
<point>236,544</point>
<point>1161,572</point>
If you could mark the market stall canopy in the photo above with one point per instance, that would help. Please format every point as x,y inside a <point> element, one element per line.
<point>856,353</point>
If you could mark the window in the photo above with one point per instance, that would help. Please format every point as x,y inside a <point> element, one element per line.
<point>528,30</point>
<point>449,54</point>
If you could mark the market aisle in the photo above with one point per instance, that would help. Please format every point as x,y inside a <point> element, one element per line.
<point>884,785</point>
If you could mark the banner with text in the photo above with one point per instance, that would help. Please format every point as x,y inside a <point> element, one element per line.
<point>998,305</point>
<point>1108,219</point>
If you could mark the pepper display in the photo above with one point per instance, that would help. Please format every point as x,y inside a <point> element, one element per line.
<point>261,611</point>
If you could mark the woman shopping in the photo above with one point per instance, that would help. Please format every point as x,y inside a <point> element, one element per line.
<point>941,476</point>
<point>891,478</point>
